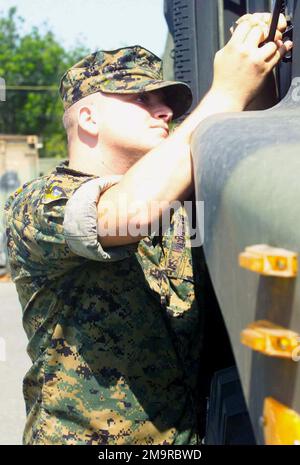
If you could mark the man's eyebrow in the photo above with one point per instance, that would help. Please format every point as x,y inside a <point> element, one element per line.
<point>132,94</point>
<point>143,92</point>
<point>159,95</point>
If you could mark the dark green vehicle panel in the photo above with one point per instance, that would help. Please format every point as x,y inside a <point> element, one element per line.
<point>247,172</point>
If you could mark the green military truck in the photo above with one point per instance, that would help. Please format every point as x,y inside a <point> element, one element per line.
<point>19,163</point>
<point>247,171</point>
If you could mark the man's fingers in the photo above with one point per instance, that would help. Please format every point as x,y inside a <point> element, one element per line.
<point>252,32</point>
<point>245,28</point>
<point>241,32</point>
<point>255,18</point>
<point>255,38</point>
<point>262,17</point>
<point>281,50</point>
<point>265,18</point>
<point>244,18</point>
<point>269,51</point>
<point>278,35</point>
<point>266,52</point>
<point>259,33</point>
<point>256,35</point>
<point>282,24</point>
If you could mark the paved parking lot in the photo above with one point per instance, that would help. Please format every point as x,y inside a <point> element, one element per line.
<point>14,362</point>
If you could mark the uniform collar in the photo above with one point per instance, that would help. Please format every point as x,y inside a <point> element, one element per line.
<point>63,168</point>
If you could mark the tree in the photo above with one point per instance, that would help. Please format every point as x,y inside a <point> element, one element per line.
<point>34,60</point>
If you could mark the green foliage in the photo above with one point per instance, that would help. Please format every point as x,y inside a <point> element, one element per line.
<point>33,59</point>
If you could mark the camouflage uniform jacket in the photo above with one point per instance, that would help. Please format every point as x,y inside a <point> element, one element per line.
<point>114,335</point>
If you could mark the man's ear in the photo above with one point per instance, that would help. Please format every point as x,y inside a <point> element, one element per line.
<point>88,121</point>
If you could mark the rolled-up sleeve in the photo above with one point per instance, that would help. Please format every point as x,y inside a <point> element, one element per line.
<point>80,223</point>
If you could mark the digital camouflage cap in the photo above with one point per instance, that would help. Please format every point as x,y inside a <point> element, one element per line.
<point>123,71</point>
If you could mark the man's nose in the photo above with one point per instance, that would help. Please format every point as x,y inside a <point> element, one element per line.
<point>163,111</point>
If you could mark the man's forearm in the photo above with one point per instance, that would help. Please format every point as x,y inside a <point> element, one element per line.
<point>163,175</point>
<point>213,103</point>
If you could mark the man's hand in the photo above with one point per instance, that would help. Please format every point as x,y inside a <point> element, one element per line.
<point>240,68</point>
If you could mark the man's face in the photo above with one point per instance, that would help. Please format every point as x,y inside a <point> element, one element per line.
<point>133,123</point>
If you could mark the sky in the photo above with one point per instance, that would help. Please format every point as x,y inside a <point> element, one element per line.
<point>106,24</point>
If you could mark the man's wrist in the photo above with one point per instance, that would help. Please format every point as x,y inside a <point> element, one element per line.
<point>216,101</point>
<point>224,101</point>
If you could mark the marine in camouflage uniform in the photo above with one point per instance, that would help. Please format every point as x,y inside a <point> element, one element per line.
<point>115,334</point>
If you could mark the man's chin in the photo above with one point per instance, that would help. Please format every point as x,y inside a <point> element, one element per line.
<point>158,140</point>
<point>139,152</point>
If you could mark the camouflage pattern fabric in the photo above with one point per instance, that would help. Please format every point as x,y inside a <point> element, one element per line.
<point>124,71</point>
<point>115,345</point>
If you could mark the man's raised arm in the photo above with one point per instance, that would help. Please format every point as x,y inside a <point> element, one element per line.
<point>165,174</point>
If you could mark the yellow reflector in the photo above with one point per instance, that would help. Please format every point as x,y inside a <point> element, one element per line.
<point>269,261</point>
<point>281,424</point>
<point>273,340</point>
